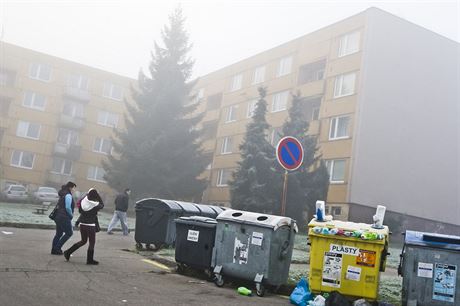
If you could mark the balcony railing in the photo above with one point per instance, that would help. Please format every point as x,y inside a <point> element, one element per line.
<point>71,152</point>
<point>77,93</point>
<point>72,122</point>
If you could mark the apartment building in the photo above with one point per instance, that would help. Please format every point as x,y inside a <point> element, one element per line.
<point>381,95</point>
<point>56,119</point>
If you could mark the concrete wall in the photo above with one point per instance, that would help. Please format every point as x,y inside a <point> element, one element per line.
<point>405,152</point>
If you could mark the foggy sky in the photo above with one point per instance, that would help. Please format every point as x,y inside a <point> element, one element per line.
<point>118,36</point>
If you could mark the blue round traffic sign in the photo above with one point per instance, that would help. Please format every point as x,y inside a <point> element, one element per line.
<point>289,153</point>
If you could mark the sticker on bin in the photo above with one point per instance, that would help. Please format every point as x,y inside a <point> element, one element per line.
<point>366,258</point>
<point>332,269</point>
<point>240,252</point>
<point>343,249</point>
<point>444,282</point>
<point>193,235</point>
<point>257,238</point>
<point>353,273</point>
<point>425,270</point>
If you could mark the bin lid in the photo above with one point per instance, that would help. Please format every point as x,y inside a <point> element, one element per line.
<point>152,203</point>
<point>350,226</point>
<point>263,220</point>
<point>217,209</point>
<point>188,207</point>
<point>197,220</point>
<point>432,240</point>
<point>206,210</point>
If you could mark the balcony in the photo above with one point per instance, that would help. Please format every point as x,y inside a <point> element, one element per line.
<point>71,122</point>
<point>57,179</point>
<point>71,152</point>
<point>77,93</point>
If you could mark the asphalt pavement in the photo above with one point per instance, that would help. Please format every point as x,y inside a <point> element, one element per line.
<point>30,275</point>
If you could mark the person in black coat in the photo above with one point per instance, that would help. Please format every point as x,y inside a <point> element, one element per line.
<point>89,225</point>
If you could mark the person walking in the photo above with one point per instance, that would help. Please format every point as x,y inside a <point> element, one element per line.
<point>89,225</point>
<point>121,207</point>
<point>63,219</point>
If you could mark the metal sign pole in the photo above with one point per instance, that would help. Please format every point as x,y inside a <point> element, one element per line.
<point>284,196</point>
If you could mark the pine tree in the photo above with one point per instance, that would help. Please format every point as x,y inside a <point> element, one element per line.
<point>310,182</point>
<point>253,184</point>
<point>159,152</point>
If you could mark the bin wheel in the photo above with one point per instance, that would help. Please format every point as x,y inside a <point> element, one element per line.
<point>219,280</point>
<point>139,246</point>
<point>260,289</point>
<point>180,268</point>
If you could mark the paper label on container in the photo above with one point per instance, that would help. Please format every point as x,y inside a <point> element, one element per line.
<point>353,273</point>
<point>343,249</point>
<point>257,238</point>
<point>240,251</point>
<point>445,276</point>
<point>366,258</point>
<point>332,269</point>
<point>193,235</point>
<point>425,270</point>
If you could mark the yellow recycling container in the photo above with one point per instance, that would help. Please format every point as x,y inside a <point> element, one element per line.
<point>346,257</point>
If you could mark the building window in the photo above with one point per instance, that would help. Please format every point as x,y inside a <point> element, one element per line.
<point>22,159</point>
<point>40,72</point>
<point>197,97</point>
<point>62,166</point>
<point>107,119</point>
<point>231,113</point>
<point>213,102</point>
<point>349,43</point>
<point>259,75</point>
<point>28,130</point>
<point>4,106</point>
<point>67,137</point>
<point>344,85</point>
<point>96,174</point>
<point>311,72</point>
<point>7,77</point>
<point>34,100</point>
<point>279,102</point>
<point>315,113</point>
<point>336,210</point>
<point>237,82</point>
<point>275,135</point>
<point>78,81</point>
<point>284,66</point>
<point>227,144</point>
<point>102,145</point>
<point>112,91</point>
<point>336,170</point>
<point>339,128</point>
<point>252,105</point>
<point>223,177</point>
<point>74,109</point>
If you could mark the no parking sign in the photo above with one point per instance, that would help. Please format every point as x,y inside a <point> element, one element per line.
<point>289,153</point>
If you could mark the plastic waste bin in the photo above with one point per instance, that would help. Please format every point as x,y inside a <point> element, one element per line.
<point>430,266</point>
<point>155,219</point>
<point>194,241</point>
<point>253,246</point>
<point>347,257</point>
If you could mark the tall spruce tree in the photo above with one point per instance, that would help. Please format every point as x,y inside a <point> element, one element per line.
<point>252,187</point>
<point>158,154</point>
<point>310,182</point>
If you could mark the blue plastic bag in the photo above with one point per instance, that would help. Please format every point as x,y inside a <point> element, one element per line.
<point>301,294</point>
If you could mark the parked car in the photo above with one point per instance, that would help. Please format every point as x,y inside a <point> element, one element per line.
<point>45,194</point>
<point>14,193</point>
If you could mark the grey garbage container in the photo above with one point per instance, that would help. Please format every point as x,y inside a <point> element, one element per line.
<point>155,219</point>
<point>195,241</point>
<point>253,246</point>
<point>430,266</point>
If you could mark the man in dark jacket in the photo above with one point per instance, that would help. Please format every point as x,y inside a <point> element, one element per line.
<point>121,207</point>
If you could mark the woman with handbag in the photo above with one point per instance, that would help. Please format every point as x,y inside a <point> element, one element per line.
<point>62,216</point>
<point>89,225</point>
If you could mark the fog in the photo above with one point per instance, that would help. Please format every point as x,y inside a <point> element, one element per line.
<point>117,36</point>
